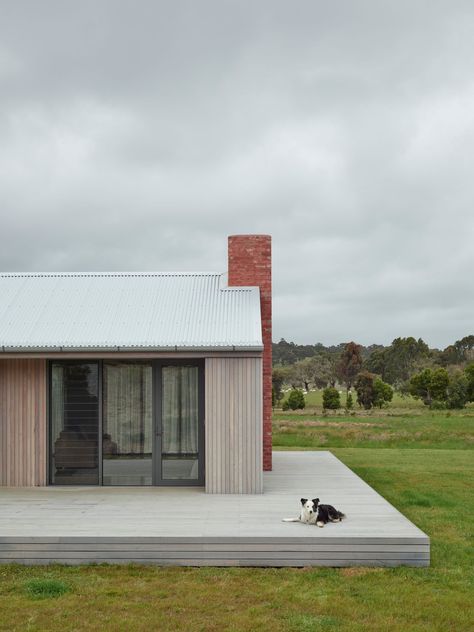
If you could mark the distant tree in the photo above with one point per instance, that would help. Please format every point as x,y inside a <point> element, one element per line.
<point>458,390</point>
<point>469,372</point>
<point>364,386</point>
<point>396,364</point>
<point>439,384</point>
<point>331,398</point>
<point>372,390</point>
<point>302,374</point>
<point>323,369</point>
<point>349,364</point>
<point>349,401</point>
<point>383,392</point>
<point>430,386</point>
<point>287,353</point>
<point>459,353</point>
<point>284,352</point>
<point>279,376</point>
<point>296,399</point>
<point>449,356</point>
<point>465,348</point>
<point>377,361</point>
<point>420,386</point>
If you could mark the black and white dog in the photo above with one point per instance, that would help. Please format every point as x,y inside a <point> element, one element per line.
<point>312,512</point>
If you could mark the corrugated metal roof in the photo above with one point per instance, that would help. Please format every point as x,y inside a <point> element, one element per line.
<point>126,312</point>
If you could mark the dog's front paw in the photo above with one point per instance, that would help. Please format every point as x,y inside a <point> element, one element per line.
<point>320,524</point>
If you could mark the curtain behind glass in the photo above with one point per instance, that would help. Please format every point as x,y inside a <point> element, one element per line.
<point>127,407</point>
<point>127,439</point>
<point>180,410</point>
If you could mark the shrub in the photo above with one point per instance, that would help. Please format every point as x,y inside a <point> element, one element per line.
<point>349,401</point>
<point>383,393</point>
<point>296,399</point>
<point>458,391</point>
<point>469,372</point>
<point>331,398</point>
<point>285,405</point>
<point>439,384</point>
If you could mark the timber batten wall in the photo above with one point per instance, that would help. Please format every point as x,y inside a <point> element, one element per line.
<point>23,435</point>
<point>233,424</point>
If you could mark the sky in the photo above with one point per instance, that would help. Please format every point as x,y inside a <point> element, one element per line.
<point>139,135</point>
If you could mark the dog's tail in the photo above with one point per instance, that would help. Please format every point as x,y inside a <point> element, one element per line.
<point>290,520</point>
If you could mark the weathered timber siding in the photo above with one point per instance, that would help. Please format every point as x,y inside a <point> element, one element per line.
<point>22,422</point>
<point>234,426</point>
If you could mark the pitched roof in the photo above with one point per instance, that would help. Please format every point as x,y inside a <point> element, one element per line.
<point>126,311</point>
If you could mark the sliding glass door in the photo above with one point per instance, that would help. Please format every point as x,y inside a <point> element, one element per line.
<point>127,423</point>
<point>127,435</point>
<point>179,431</point>
<point>74,432</point>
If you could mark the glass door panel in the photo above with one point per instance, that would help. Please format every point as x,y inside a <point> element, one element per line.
<point>180,423</point>
<point>127,438</point>
<point>74,435</point>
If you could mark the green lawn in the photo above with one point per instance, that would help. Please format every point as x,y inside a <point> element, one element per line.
<point>431,484</point>
<point>407,423</point>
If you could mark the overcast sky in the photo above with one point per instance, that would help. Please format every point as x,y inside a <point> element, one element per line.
<point>138,135</point>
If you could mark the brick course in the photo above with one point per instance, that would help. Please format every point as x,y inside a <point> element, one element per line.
<point>250,263</point>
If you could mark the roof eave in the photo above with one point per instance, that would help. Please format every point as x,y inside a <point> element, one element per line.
<point>129,349</point>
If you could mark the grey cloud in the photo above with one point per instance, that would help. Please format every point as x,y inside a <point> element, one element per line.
<point>138,136</point>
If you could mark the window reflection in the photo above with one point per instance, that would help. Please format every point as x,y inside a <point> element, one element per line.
<point>75,423</point>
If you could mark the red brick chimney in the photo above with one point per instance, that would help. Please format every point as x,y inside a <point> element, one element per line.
<point>250,263</point>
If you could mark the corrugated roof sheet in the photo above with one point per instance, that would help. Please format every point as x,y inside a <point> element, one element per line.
<point>126,311</point>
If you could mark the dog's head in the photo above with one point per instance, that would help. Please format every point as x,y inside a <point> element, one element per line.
<point>309,506</point>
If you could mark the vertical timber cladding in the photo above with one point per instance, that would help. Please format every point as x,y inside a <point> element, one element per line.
<point>234,432</point>
<point>23,433</point>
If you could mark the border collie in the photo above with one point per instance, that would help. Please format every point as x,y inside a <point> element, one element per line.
<point>312,512</point>
<point>308,512</point>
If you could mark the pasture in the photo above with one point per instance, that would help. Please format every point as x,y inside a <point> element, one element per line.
<point>421,461</point>
<point>406,423</point>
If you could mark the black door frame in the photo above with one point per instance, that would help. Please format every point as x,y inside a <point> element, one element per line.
<point>158,480</point>
<point>156,418</point>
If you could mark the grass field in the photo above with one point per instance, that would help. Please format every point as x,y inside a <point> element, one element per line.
<point>407,423</point>
<point>421,462</point>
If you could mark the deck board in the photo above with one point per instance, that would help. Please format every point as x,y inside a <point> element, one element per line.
<point>185,526</point>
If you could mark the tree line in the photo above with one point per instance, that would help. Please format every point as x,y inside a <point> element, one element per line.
<point>441,378</point>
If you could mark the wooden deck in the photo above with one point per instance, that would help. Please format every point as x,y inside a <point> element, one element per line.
<point>185,526</point>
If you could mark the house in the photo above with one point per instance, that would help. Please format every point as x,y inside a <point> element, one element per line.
<point>136,379</point>
<point>161,381</point>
